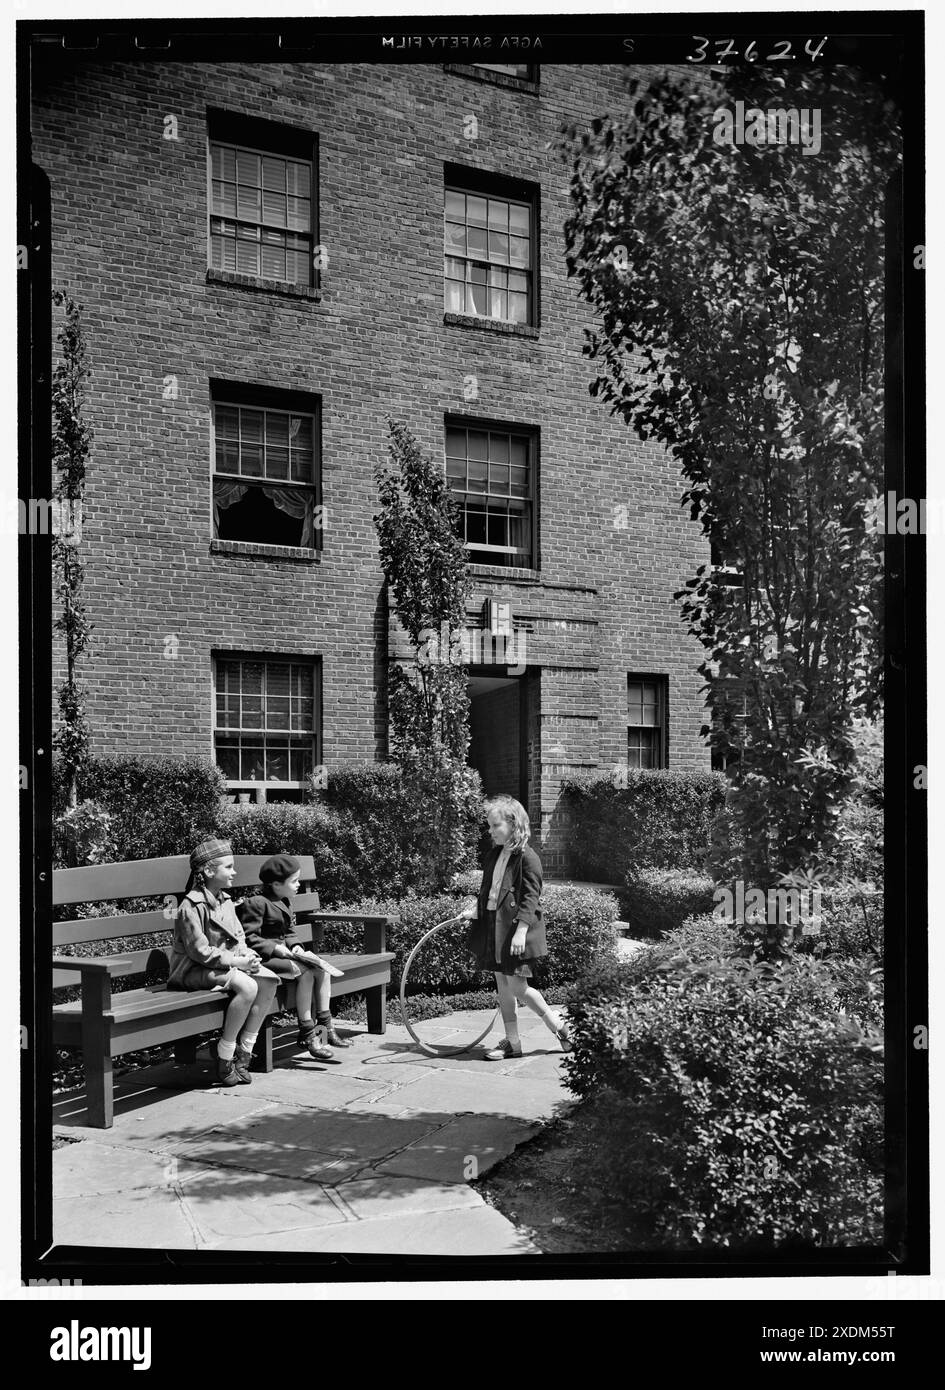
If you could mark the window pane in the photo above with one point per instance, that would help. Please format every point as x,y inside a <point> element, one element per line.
<point>273,207</point>
<point>299,179</point>
<point>454,268</point>
<point>277,763</point>
<point>498,215</point>
<point>454,240</point>
<point>251,460</point>
<point>456,443</point>
<point>455,205</point>
<point>518,531</point>
<point>475,524</point>
<point>498,477</point>
<point>247,258</point>
<point>273,173</point>
<point>519,219</point>
<point>476,299</point>
<point>499,448</point>
<point>272,262</point>
<point>224,163</point>
<point>498,304</point>
<point>498,247</point>
<point>302,762</point>
<point>518,308</point>
<point>277,712</point>
<point>476,211</point>
<point>519,448</point>
<point>252,762</point>
<point>478,444</point>
<point>497,528</point>
<point>299,215</point>
<point>247,202</point>
<point>477,476</point>
<point>455,297</point>
<point>477,241</point>
<point>251,426</point>
<point>277,429</point>
<point>519,482</point>
<point>228,456</point>
<point>228,758</point>
<point>277,463</point>
<point>518,250</point>
<point>518,282</point>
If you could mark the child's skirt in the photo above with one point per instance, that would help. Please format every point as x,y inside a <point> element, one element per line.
<point>492,962</point>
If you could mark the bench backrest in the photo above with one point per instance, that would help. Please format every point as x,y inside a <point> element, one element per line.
<point>151,878</point>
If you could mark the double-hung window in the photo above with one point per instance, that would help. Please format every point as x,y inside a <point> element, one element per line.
<point>646,721</point>
<point>491,470</point>
<point>265,725</point>
<point>489,254</point>
<point>263,212</point>
<point>265,467</point>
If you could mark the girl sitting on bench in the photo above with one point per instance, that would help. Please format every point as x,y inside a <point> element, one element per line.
<point>269,923</point>
<point>210,952</point>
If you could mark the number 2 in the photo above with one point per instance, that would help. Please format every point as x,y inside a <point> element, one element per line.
<point>777,57</point>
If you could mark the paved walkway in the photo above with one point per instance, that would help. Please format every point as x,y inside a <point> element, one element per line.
<point>373,1154</point>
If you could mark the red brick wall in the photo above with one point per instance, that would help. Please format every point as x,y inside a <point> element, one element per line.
<point>130,228</point>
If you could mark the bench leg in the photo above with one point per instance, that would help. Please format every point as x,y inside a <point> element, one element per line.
<point>262,1052</point>
<point>185,1052</point>
<point>96,1050</point>
<point>377,1009</point>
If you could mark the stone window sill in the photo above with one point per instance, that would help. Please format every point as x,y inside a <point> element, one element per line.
<point>264,552</point>
<point>529,576</point>
<point>259,283</point>
<point>514,330</point>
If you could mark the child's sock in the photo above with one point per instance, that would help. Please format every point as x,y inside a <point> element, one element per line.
<point>226,1051</point>
<point>305,1022</point>
<point>324,1017</point>
<point>248,1041</point>
<point>511,1031</point>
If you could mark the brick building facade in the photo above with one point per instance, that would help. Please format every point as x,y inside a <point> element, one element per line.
<point>259,256</point>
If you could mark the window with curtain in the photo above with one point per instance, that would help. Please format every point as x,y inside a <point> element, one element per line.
<point>265,721</point>
<point>261,213</point>
<point>264,474</point>
<point>646,721</point>
<point>491,471</point>
<point>488,248</point>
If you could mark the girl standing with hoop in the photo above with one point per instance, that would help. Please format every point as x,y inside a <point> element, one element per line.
<point>507,930</point>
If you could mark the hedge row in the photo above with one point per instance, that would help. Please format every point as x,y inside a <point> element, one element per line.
<point>659,819</point>
<point>743,1103</point>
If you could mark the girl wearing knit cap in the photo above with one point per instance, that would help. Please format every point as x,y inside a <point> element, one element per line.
<point>269,923</point>
<point>210,952</point>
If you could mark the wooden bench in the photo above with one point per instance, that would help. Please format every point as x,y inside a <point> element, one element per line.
<point>105,1026</point>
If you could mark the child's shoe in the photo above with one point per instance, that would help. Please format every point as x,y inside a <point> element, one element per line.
<point>241,1063</point>
<point>334,1039</point>
<point>504,1051</point>
<point>308,1038</point>
<point>226,1071</point>
<point>565,1037</point>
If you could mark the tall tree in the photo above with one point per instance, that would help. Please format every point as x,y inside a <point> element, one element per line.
<point>72,442</point>
<point>424,563</point>
<point>739,294</point>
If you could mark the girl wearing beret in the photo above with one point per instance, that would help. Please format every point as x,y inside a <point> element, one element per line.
<point>506,926</point>
<point>269,923</point>
<point>210,952</point>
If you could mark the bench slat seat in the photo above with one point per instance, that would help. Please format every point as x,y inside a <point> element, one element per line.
<point>106,1026</point>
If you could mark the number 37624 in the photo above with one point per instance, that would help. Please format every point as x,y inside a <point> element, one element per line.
<point>725,49</point>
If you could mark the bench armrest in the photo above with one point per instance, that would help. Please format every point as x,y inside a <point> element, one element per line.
<point>84,964</point>
<point>375,928</point>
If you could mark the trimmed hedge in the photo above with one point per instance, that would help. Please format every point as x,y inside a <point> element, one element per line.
<point>658,900</point>
<point>660,819</point>
<point>578,925</point>
<point>156,806</point>
<point>744,1102</point>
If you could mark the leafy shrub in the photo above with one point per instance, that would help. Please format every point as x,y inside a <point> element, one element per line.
<point>392,819</point>
<point>660,819</point>
<point>157,805</point>
<point>84,834</point>
<point>657,900</point>
<point>578,925</point>
<point>293,828</point>
<point>744,1100</point>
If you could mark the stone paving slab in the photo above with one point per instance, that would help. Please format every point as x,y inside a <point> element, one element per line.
<point>461,1151</point>
<point>88,1170</point>
<point>389,1195</point>
<point>235,1203</point>
<point>482,1093</point>
<point>468,1231</point>
<point>151,1218</point>
<point>167,1120</point>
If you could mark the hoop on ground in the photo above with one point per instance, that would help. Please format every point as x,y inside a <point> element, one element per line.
<point>435,1049</point>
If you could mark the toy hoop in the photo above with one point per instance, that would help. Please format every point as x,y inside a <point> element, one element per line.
<point>435,1049</point>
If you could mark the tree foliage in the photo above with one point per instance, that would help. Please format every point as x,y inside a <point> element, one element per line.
<point>72,442</point>
<point>738,290</point>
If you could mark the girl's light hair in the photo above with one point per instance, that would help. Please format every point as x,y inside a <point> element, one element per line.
<point>514,814</point>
